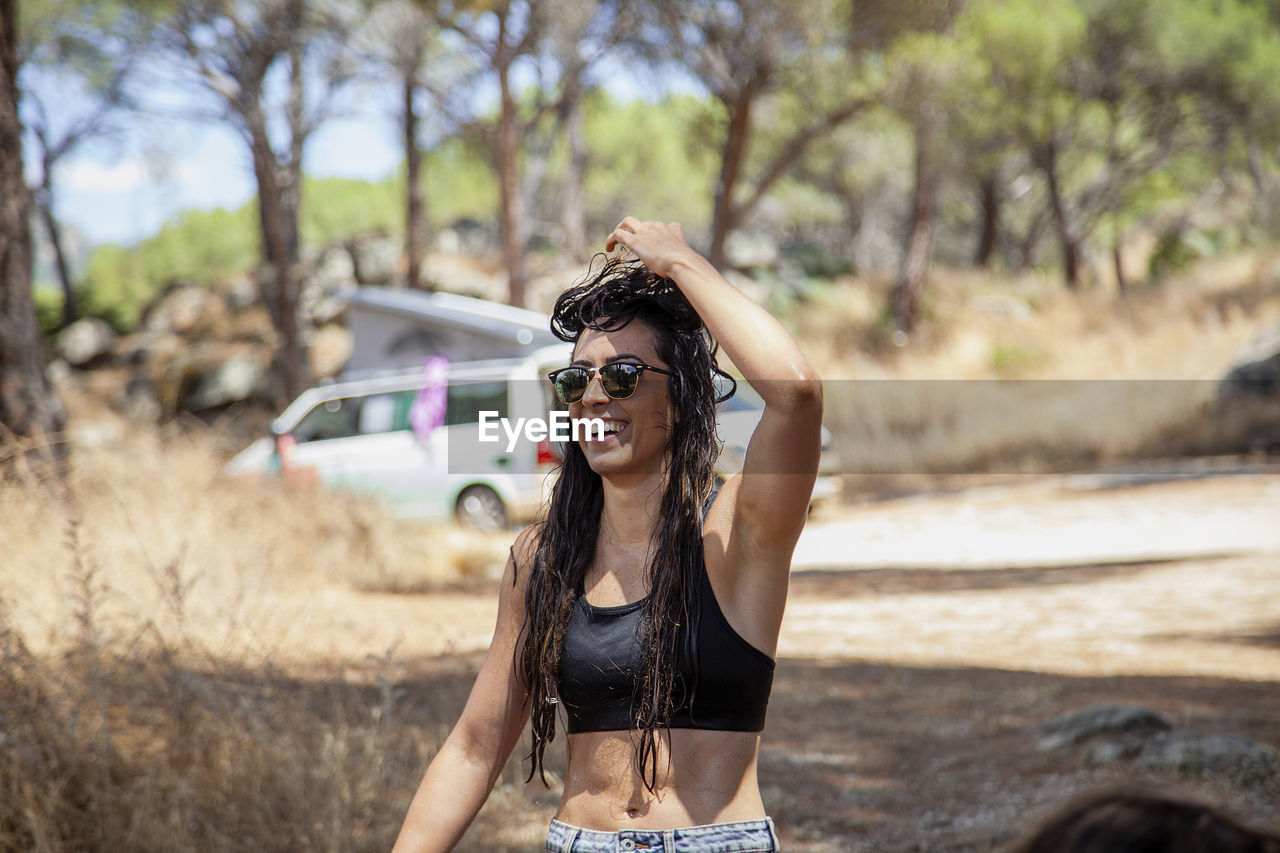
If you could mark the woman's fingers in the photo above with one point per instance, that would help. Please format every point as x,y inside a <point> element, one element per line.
<point>655,243</point>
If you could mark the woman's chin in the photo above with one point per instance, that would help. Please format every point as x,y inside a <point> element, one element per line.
<point>608,458</point>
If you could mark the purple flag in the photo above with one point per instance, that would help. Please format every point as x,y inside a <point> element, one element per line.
<point>427,411</point>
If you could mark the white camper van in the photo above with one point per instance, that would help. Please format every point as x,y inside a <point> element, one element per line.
<point>357,435</point>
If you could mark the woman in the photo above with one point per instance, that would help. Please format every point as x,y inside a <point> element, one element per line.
<point>646,610</point>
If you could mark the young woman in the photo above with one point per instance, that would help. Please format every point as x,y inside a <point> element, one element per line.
<point>645,607</point>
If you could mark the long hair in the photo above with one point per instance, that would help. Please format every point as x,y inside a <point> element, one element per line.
<point>620,293</point>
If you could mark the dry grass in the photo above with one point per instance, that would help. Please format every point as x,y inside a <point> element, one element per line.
<point>155,688</point>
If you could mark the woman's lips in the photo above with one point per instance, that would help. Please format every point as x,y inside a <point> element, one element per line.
<point>612,429</point>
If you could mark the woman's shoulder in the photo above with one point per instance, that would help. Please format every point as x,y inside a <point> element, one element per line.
<point>525,546</point>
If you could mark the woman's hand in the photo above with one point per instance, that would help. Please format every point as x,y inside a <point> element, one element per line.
<point>662,247</point>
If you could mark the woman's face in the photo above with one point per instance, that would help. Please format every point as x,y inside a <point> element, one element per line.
<point>635,440</point>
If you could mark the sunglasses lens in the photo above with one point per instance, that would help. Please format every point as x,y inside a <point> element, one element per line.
<point>571,384</point>
<point>619,379</point>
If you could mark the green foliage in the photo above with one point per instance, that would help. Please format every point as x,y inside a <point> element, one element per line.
<point>1178,248</point>
<point>48,302</point>
<point>460,183</point>
<point>116,286</point>
<point>1026,47</point>
<point>199,247</point>
<point>334,209</point>
<point>645,160</point>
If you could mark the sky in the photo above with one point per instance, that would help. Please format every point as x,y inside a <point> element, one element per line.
<point>124,190</point>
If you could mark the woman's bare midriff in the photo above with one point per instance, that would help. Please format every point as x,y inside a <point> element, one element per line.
<point>703,777</point>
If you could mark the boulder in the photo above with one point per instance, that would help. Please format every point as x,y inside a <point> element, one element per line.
<point>374,259</point>
<point>329,349</point>
<point>236,378</point>
<point>1255,371</point>
<point>85,341</point>
<point>183,309</point>
<point>1099,720</point>
<point>241,292</point>
<point>468,237</point>
<point>1239,759</point>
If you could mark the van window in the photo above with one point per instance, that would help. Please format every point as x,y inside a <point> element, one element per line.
<point>468,400</point>
<point>378,414</point>
<point>330,419</point>
<point>389,412</point>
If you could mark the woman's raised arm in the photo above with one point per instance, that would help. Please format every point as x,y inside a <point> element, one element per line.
<point>772,497</point>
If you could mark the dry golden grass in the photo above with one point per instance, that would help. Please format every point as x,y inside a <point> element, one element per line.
<point>156,690</point>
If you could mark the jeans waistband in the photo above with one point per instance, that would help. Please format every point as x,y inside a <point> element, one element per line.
<point>749,836</point>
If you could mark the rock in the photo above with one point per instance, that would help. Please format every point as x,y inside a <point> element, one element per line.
<point>240,292</point>
<point>1099,720</point>
<point>467,237</point>
<point>140,402</point>
<point>374,258</point>
<point>333,271</point>
<point>1112,750</point>
<point>183,309</point>
<point>85,341</point>
<point>62,377</point>
<point>329,349</point>
<point>1255,371</point>
<point>237,378</point>
<point>458,275</point>
<point>1242,760</point>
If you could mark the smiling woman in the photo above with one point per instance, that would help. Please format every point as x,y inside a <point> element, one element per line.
<point>643,613</point>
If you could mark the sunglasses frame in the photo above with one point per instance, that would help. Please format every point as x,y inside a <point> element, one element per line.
<point>593,372</point>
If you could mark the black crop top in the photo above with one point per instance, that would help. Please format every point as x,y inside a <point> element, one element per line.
<point>601,661</point>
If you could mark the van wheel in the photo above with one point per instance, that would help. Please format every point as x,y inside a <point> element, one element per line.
<point>481,508</point>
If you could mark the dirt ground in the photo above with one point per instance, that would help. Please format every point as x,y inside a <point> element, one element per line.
<point>909,687</point>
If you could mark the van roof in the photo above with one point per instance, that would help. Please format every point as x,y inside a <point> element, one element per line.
<point>466,312</point>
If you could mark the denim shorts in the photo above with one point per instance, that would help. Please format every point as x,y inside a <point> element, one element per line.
<point>748,836</point>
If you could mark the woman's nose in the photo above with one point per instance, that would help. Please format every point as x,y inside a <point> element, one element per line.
<point>594,395</point>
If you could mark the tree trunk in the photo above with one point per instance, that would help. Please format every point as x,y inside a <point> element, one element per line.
<point>1117,258</point>
<point>724,217</point>
<point>1067,235</point>
<point>415,226</point>
<point>511,201</point>
<point>275,242</point>
<point>573,216</point>
<point>28,407</point>
<point>908,296</point>
<point>989,194</point>
<point>70,308</point>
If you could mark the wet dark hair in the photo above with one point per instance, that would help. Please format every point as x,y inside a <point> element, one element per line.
<point>610,298</point>
<point>1143,819</point>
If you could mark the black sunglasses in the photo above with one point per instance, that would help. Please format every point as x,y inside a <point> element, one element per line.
<point>618,379</point>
